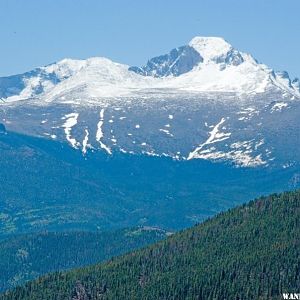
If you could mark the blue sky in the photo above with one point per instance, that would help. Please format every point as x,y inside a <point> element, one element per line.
<point>38,32</point>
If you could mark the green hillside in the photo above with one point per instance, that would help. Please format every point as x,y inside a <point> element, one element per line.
<point>251,252</point>
<point>26,257</point>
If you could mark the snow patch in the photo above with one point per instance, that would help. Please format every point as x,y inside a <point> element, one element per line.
<point>241,158</point>
<point>167,132</point>
<point>71,121</point>
<point>210,48</point>
<point>85,144</point>
<point>99,134</point>
<point>215,136</point>
<point>247,114</point>
<point>278,106</point>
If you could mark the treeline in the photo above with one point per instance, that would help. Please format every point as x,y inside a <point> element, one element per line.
<point>251,252</point>
<point>26,257</point>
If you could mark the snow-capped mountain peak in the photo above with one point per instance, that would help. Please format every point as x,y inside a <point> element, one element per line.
<point>206,64</point>
<point>210,48</point>
<point>204,100</point>
<point>65,68</point>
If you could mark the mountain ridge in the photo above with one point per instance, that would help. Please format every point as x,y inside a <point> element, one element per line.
<point>249,252</point>
<point>205,100</point>
<point>32,255</point>
<point>213,54</point>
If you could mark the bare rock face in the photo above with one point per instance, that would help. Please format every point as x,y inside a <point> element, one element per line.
<point>179,61</point>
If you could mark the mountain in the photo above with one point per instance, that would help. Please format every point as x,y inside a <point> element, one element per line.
<point>26,257</point>
<point>109,146</point>
<point>205,100</point>
<point>250,252</point>
<point>209,64</point>
<point>49,186</point>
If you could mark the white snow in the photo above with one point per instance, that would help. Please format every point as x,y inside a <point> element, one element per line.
<point>247,113</point>
<point>258,144</point>
<point>215,136</point>
<point>210,47</point>
<point>239,157</point>
<point>167,132</point>
<point>71,121</point>
<point>87,81</point>
<point>278,106</point>
<point>123,150</point>
<point>245,145</point>
<point>150,153</point>
<point>240,152</point>
<point>99,133</point>
<point>85,144</point>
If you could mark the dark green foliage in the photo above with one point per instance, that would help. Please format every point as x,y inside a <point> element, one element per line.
<point>251,252</point>
<point>28,256</point>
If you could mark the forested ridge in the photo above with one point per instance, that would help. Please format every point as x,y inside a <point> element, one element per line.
<point>250,252</point>
<point>29,256</point>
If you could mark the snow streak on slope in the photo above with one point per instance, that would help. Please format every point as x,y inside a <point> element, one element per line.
<point>71,121</point>
<point>85,144</point>
<point>239,152</point>
<point>99,134</point>
<point>214,136</point>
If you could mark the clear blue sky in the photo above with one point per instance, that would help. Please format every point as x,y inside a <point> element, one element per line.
<point>38,32</point>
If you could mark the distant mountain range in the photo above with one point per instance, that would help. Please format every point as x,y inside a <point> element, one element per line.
<point>250,252</point>
<point>206,64</point>
<point>204,100</point>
